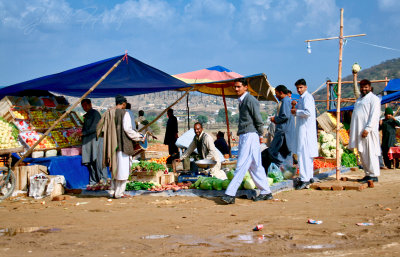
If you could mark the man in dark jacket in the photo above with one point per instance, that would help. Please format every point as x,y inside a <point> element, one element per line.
<point>171,133</point>
<point>388,127</point>
<point>91,150</point>
<point>221,144</point>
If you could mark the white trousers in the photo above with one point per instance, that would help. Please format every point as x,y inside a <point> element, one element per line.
<point>370,163</point>
<point>249,159</point>
<point>306,166</point>
<point>117,187</point>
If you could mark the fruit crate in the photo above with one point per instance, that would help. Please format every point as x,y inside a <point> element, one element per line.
<point>147,176</point>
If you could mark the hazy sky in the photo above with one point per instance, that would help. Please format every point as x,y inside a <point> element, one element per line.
<point>42,37</point>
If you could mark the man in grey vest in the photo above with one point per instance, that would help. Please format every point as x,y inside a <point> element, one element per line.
<point>250,133</point>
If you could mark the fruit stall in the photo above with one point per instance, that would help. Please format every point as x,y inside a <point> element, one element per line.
<point>31,116</point>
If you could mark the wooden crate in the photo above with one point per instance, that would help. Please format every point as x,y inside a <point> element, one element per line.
<point>145,177</point>
<point>167,178</point>
<point>23,173</point>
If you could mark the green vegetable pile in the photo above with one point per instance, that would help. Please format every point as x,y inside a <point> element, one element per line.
<point>145,166</point>
<point>210,183</point>
<point>137,185</point>
<point>349,159</point>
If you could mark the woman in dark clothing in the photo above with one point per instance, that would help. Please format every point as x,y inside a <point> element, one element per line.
<point>388,127</point>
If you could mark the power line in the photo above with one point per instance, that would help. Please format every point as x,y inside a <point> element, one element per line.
<point>379,46</point>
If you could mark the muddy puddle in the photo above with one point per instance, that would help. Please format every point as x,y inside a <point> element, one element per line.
<point>16,231</point>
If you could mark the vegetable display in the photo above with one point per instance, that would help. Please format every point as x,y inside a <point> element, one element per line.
<point>211,183</point>
<point>146,166</point>
<point>8,135</point>
<point>162,160</point>
<point>349,159</point>
<point>318,164</point>
<point>327,145</point>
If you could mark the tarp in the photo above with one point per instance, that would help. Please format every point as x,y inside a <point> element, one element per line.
<point>393,85</point>
<point>215,73</point>
<point>131,77</point>
<point>385,99</point>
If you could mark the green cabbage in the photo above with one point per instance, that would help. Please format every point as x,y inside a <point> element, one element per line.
<point>225,183</point>
<point>249,184</point>
<point>206,185</point>
<point>217,184</point>
<point>230,175</point>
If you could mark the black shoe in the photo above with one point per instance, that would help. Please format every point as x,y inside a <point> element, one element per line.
<point>302,185</point>
<point>366,178</point>
<point>228,199</point>
<point>263,197</point>
<point>311,180</point>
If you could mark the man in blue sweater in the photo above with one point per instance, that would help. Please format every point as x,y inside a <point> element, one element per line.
<point>250,131</point>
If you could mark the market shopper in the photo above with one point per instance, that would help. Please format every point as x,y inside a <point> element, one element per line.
<point>388,126</point>
<point>278,149</point>
<point>364,131</point>
<point>221,144</point>
<point>171,134</point>
<point>306,146</point>
<point>250,131</point>
<point>119,141</point>
<point>91,146</point>
<point>206,149</point>
<point>141,122</point>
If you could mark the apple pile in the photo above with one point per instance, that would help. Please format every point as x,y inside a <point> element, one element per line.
<point>20,114</point>
<point>59,138</point>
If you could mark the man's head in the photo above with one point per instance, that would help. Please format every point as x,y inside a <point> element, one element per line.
<point>240,86</point>
<point>170,112</point>
<point>220,134</point>
<point>198,128</point>
<point>281,92</point>
<point>120,101</point>
<point>301,86</point>
<point>289,93</point>
<point>128,106</point>
<point>86,104</point>
<point>141,113</point>
<point>365,87</point>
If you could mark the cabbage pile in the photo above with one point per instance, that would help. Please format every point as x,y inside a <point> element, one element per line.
<point>327,145</point>
<point>210,183</point>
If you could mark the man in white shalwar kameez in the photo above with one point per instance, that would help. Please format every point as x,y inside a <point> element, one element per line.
<point>306,136</point>
<point>126,137</point>
<point>250,131</point>
<point>364,131</point>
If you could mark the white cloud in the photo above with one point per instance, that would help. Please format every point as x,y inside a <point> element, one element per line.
<point>389,5</point>
<point>213,8</point>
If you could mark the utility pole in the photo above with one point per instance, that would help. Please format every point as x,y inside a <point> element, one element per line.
<point>339,93</point>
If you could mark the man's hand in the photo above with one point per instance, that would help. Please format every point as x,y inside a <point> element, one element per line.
<point>272,119</point>
<point>390,116</point>
<point>293,111</point>
<point>176,136</point>
<point>261,140</point>
<point>380,122</point>
<point>364,134</point>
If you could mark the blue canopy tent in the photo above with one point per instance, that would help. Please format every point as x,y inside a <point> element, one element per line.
<point>385,99</point>
<point>393,85</point>
<point>131,77</point>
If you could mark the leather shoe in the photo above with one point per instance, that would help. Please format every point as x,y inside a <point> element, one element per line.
<point>263,197</point>
<point>366,178</point>
<point>302,185</point>
<point>227,199</point>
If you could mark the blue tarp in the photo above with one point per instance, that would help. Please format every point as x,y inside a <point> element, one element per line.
<point>131,77</point>
<point>393,85</point>
<point>385,99</point>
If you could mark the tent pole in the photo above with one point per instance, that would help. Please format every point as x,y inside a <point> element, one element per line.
<point>187,106</point>
<point>67,112</point>
<point>338,159</point>
<point>227,122</point>
<point>163,112</point>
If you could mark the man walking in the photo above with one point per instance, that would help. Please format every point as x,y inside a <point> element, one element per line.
<point>364,131</point>
<point>306,128</point>
<point>171,134</point>
<point>250,131</point>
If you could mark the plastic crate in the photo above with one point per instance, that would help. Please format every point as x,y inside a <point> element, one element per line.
<point>72,151</point>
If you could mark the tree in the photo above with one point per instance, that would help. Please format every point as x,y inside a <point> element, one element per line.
<point>155,127</point>
<point>202,119</point>
<point>221,115</point>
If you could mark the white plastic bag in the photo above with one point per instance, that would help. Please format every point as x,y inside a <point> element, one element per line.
<point>37,186</point>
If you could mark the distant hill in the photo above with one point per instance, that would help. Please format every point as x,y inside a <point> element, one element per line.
<point>389,69</point>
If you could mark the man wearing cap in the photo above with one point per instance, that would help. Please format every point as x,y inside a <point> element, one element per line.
<point>388,127</point>
<point>119,140</point>
<point>364,131</point>
<point>306,146</point>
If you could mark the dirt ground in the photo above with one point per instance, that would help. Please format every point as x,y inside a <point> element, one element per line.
<point>194,226</point>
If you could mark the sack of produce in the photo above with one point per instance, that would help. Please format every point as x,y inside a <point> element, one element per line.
<point>275,173</point>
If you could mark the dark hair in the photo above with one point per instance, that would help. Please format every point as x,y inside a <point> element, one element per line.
<point>170,111</point>
<point>120,99</point>
<point>281,88</point>
<point>289,91</point>
<point>241,80</point>
<point>128,106</point>
<point>220,134</point>
<point>300,82</point>
<point>198,123</point>
<point>365,82</point>
<point>141,113</point>
<point>86,100</point>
